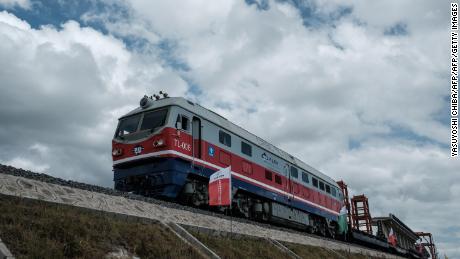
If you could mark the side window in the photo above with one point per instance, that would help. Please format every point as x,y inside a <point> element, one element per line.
<point>334,193</point>
<point>268,175</point>
<point>225,138</point>
<point>294,172</point>
<point>321,185</point>
<point>278,179</point>
<point>315,182</point>
<point>246,148</point>
<point>328,188</point>
<point>182,122</point>
<point>305,177</point>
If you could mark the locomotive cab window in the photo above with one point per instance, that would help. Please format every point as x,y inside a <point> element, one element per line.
<point>294,172</point>
<point>225,138</point>
<point>128,125</point>
<point>321,186</point>
<point>246,148</point>
<point>334,192</point>
<point>182,122</point>
<point>328,188</point>
<point>315,182</point>
<point>153,120</point>
<point>141,125</point>
<point>305,177</point>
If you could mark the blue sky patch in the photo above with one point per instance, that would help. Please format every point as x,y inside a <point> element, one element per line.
<point>260,4</point>
<point>399,29</point>
<point>54,12</point>
<point>443,116</point>
<point>354,144</point>
<point>312,18</point>
<point>167,54</point>
<point>399,132</point>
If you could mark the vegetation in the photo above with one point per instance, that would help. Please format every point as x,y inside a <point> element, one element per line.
<point>306,251</point>
<point>36,229</point>
<point>238,246</point>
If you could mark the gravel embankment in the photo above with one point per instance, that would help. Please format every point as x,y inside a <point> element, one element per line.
<point>94,188</point>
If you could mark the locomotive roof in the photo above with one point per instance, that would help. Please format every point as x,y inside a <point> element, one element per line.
<point>235,129</point>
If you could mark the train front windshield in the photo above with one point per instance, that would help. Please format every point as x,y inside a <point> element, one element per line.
<point>140,125</point>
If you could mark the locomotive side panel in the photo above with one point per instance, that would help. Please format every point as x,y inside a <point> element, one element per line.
<point>253,167</point>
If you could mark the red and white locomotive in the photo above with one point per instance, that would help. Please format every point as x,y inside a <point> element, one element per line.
<point>169,147</point>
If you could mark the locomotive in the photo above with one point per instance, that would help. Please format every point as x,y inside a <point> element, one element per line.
<point>169,146</point>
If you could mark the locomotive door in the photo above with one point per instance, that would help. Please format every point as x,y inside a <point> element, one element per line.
<point>287,187</point>
<point>291,184</point>
<point>196,135</point>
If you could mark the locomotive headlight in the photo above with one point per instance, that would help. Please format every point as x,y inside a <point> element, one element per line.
<point>117,152</point>
<point>159,143</point>
<point>145,102</point>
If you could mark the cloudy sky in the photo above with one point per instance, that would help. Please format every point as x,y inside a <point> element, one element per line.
<point>357,89</point>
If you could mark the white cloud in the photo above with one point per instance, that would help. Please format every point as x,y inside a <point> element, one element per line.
<point>62,87</point>
<point>39,148</point>
<point>179,19</point>
<point>26,164</point>
<point>26,4</point>
<point>13,21</point>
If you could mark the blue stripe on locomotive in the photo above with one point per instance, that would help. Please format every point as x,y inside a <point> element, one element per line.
<point>168,175</point>
<point>172,173</point>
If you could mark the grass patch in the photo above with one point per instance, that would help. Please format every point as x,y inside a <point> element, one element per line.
<point>238,246</point>
<point>241,246</point>
<point>37,229</point>
<point>306,251</point>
